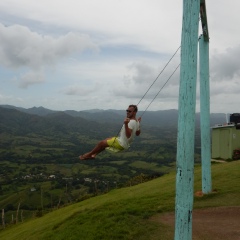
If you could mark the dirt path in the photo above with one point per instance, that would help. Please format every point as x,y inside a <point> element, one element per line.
<point>222,223</point>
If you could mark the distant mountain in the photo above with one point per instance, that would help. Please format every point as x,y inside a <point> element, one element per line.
<point>13,107</point>
<point>102,116</point>
<point>161,118</point>
<point>18,122</point>
<point>40,111</point>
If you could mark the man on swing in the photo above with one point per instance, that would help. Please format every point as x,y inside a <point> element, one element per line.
<point>130,128</point>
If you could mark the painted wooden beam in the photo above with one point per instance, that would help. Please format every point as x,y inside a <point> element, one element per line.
<point>186,121</point>
<point>205,115</point>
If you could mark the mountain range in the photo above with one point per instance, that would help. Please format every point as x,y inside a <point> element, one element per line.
<point>161,118</point>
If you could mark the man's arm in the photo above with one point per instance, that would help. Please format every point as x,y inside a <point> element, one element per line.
<point>128,131</point>
<point>138,132</point>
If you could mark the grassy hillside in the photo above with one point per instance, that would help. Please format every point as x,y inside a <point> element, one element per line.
<point>125,213</point>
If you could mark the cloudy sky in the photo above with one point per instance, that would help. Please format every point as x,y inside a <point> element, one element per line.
<point>76,54</point>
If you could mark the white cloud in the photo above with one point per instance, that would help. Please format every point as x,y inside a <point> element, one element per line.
<point>10,99</point>
<point>82,91</point>
<point>149,81</point>
<point>20,47</point>
<point>134,22</point>
<point>31,78</point>
<point>225,65</point>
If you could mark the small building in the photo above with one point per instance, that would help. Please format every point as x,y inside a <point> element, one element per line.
<point>225,140</point>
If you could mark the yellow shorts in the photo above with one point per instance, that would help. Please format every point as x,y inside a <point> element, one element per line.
<point>113,143</point>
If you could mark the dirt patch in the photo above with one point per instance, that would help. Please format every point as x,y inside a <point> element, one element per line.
<point>222,223</point>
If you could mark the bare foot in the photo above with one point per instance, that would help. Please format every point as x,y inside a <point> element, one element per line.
<point>85,157</point>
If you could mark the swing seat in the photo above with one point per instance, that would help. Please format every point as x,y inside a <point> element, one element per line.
<point>113,150</point>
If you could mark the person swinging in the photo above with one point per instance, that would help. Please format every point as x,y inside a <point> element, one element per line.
<point>130,129</point>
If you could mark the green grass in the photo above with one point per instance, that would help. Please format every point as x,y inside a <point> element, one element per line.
<point>118,162</point>
<point>151,166</point>
<point>124,213</point>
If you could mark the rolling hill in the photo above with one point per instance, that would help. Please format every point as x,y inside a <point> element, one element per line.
<point>127,213</point>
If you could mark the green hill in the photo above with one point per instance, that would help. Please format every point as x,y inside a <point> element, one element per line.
<point>125,213</point>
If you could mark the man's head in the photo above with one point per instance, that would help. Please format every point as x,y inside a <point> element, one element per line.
<point>131,111</point>
<point>134,107</point>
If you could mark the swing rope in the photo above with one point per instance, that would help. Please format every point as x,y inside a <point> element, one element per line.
<point>159,75</point>
<point>160,90</point>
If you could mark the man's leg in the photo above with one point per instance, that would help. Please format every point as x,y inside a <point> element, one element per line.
<point>99,148</point>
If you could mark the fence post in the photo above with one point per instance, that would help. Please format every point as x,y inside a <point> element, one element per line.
<point>3,220</point>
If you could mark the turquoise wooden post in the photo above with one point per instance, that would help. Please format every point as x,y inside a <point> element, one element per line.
<point>186,121</point>
<point>205,115</point>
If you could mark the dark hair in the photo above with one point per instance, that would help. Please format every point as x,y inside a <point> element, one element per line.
<point>134,106</point>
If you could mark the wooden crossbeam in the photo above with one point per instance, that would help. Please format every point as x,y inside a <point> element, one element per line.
<point>203,15</point>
